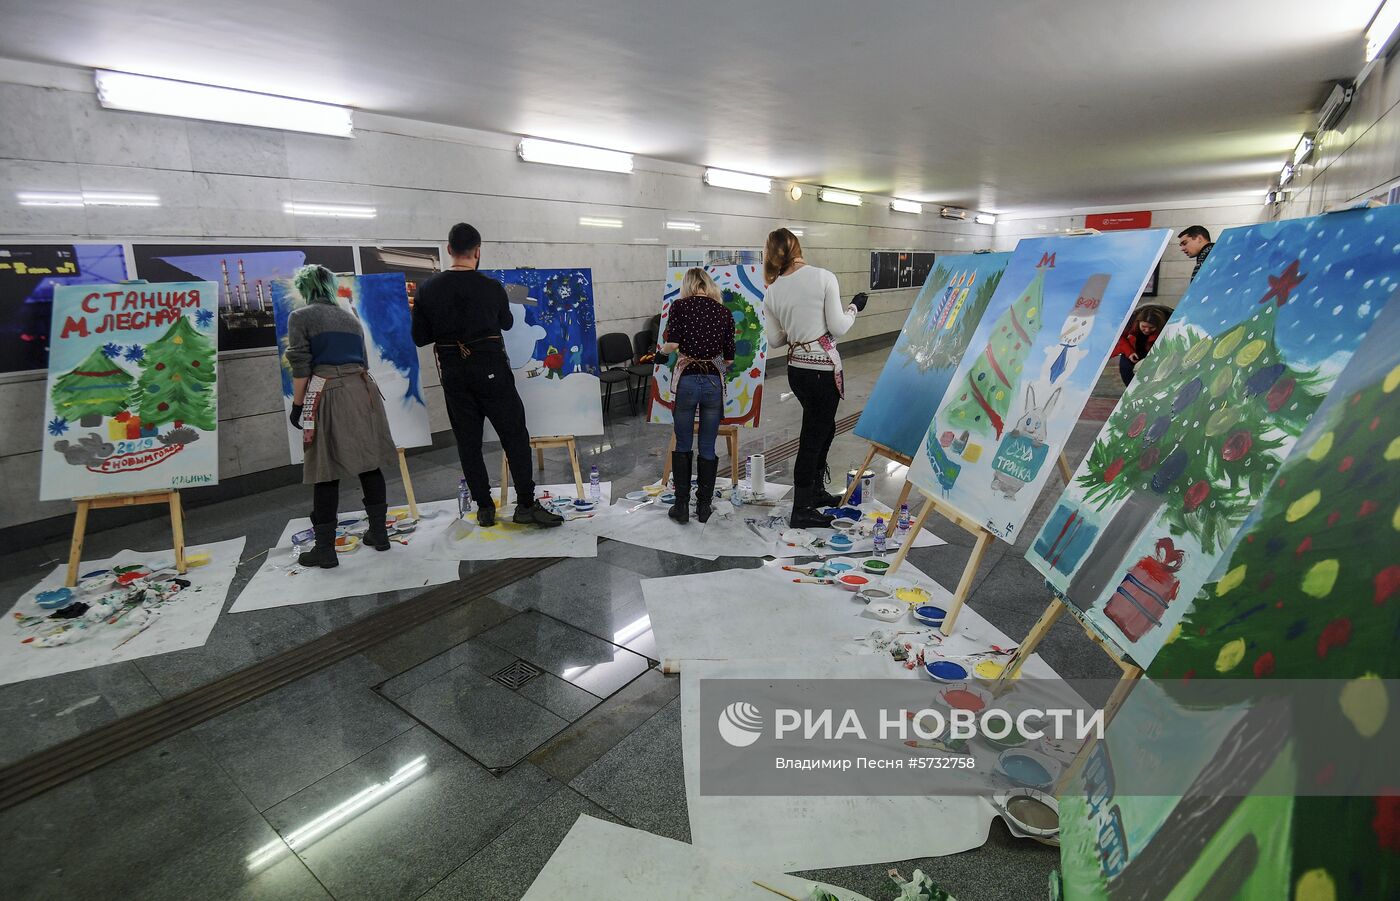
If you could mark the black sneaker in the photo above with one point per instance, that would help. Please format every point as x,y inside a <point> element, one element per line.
<point>536,515</point>
<point>486,517</point>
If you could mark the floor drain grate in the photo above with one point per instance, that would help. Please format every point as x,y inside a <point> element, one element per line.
<point>516,674</point>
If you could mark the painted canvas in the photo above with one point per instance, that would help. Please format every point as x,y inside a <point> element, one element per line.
<point>381,304</point>
<point>132,402</point>
<point>743,295</point>
<point>244,274</point>
<point>929,348</point>
<point>1029,368</point>
<point>1245,361</point>
<point>1306,591</point>
<point>553,349</point>
<point>28,275</point>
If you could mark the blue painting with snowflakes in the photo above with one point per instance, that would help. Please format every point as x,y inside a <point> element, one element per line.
<point>553,349</point>
<point>1246,359</point>
<point>554,326</point>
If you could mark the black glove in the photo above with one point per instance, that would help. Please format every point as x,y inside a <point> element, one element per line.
<point>296,415</point>
<point>859,301</point>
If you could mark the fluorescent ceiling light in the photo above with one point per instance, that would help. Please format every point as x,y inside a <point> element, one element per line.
<point>86,198</point>
<point>906,206</point>
<point>1303,150</point>
<point>738,181</point>
<point>144,94</point>
<point>556,153</point>
<point>599,222</point>
<point>985,219</point>
<point>832,195</point>
<point>1381,28</point>
<point>329,210</point>
<point>48,198</point>
<point>678,225</point>
<point>1285,175</point>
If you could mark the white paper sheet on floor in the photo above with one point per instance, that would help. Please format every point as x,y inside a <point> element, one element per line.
<point>724,535</point>
<point>279,582</point>
<point>761,613</point>
<point>602,861</point>
<point>184,621</point>
<point>508,541</point>
<point>803,833</point>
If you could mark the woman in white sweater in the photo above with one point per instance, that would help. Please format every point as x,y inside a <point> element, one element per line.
<point>804,311</point>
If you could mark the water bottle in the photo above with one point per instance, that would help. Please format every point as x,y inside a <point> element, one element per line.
<point>464,498</point>
<point>879,536</point>
<point>736,497</point>
<point>902,528</point>
<point>595,493</point>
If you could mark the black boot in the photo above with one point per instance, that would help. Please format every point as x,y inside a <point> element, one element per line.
<point>377,535</point>
<point>486,515</point>
<point>705,487</point>
<point>823,498</point>
<point>804,513</point>
<point>323,554</point>
<point>680,476</point>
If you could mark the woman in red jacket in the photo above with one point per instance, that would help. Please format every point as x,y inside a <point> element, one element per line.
<point>1141,334</point>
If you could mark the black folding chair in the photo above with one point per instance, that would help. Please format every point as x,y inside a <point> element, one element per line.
<point>614,350</point>
<point>642,343</point>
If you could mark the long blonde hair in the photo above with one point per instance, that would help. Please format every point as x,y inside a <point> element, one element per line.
<point>698,281</point>
<point>782,248</point>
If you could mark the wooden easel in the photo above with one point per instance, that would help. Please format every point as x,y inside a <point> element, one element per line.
<point>407,485</point>
<point>109,501</point>
<point>730,434</point>
<point>877,449</point>
<point>539,445</point>
<point>1131,673</point>
<point>983,537</point>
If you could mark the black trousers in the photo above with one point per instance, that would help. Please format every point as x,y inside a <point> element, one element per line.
<point>325,496</point>
<point>815,390</point>
<point>478,389</point>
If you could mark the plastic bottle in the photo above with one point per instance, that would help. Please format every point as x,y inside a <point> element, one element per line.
<point>736,497</point>
<point>595,492</point>
<point>879,536</point>
<point>902,528</point>
<point>464,498</point>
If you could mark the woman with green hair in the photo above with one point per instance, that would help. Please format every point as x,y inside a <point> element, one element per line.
<point>345,430</point>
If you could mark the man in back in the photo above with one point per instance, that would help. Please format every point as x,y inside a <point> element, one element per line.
<point>462,313</point>
<point>1195,242</point>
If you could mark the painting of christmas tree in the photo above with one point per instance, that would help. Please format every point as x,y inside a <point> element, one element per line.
<point>743,399</point>
<point>95,388</point>
<point>1062,300</point>
<point>132,402</point>
<point>177,379</point>
<point>932,342</point>
<point>1309,589</point>
<point>1198,437</point>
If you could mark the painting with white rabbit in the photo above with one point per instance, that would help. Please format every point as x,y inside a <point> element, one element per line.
<point>1028,371</point>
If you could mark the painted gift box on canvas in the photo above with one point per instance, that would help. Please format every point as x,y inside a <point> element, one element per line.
<point>930,346</point>
<point>380,302</point>
<point>1249,354</point>
<point>1027,371</point>
<point>743,397</point>
<point>132,400</point>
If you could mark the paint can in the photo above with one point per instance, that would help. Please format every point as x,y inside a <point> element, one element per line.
<point>862,489</point>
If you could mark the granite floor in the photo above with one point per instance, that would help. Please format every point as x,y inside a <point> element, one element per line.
<point>373,777</point>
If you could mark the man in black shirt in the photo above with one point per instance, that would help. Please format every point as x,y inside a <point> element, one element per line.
<point>1195,242</point>
<point>462,314</point>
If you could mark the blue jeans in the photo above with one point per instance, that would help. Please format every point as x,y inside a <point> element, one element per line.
<point>705,393</point>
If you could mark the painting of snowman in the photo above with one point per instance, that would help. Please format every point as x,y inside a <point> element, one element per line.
<point>1062,357</point>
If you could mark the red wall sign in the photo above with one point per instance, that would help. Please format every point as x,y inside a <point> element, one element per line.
<point>1107,222</point>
